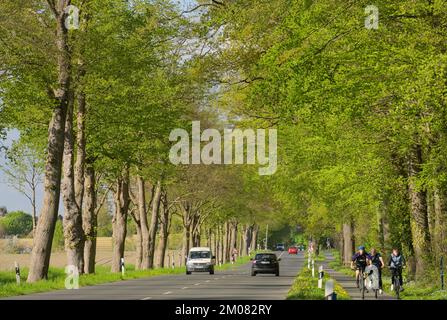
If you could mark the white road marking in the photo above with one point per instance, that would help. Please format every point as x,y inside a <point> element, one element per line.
<point>207,281</point>
<point>167,292</point>
<point>147,298</point>
<point>184,288</point>
<point>216,278</point>
<point>196,284</point>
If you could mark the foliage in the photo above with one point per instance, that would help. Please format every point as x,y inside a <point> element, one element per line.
<point>17,223</point>
<point>58,238</point>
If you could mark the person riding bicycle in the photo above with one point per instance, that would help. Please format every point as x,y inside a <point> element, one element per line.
<point>377,260</point>
<point>396,263</point>
<point>360,259</point>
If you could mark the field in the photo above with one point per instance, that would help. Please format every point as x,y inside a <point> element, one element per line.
<point>58,258</point>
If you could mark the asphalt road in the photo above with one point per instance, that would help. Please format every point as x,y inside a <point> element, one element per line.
<point>226,285</point>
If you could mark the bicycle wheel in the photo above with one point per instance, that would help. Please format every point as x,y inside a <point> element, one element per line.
<point>362,285</point>
<point>397,287</point>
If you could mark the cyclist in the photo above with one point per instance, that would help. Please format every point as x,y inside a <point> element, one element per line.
<point>360,259</point>
<point>377,260</point>
<point>396,263</point>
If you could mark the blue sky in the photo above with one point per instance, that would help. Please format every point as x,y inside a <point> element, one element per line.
<point>14,200</point>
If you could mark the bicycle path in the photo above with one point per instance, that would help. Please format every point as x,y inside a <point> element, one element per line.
<point>348,282</point>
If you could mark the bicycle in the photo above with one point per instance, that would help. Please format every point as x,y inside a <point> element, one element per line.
<point>396,282</point>
<point>373,283</point>
<point>361,281</point>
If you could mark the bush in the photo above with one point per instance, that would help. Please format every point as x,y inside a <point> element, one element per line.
<point>2,231</point>
<point>17,223</point>
<point>58,238</point>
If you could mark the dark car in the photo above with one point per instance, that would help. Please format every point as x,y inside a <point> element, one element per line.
<point>280,247</point>
<point>265,263</point>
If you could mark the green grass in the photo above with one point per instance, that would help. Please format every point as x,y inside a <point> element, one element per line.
<point>56,278</point>
<point>413,290</point>
<point>306,288</point>
<point>321,257</point>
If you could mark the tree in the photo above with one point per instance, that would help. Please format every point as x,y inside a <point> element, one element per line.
<point>17,223</point>
<point>24,170</point>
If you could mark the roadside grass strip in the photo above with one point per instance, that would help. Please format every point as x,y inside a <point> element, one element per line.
<point>306,288</point>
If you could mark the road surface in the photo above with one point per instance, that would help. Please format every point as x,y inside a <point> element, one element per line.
<point>226,285</point>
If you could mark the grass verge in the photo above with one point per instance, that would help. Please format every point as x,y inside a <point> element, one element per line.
<point>306,288</point>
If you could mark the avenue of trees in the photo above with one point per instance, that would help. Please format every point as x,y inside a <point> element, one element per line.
<point>360,112</point>
<point>95,103</point>
<point>361,115</point>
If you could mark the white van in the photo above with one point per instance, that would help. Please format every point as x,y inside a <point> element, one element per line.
<point>200,259</point>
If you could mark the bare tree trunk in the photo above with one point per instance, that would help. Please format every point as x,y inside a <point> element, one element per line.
<point>347,243</point>
<point>164,230</point>
<point>246,239</point>
<point>89,220</point>
<point>440,239</point>
<point>142,210</point>
<point>33,197</point>
<point>40,257</point>
<point>419,217</point>
<point>226,246</point>
<point>154,223</point>
<point>119,226</point>
<point>80,151</point>
<point>139,241</point>
<point>220,241</point>
<point>254,237</point>
<point>185,243</point>
<point>233,236</point>
<point>73,232</point>
<point>214,244</point>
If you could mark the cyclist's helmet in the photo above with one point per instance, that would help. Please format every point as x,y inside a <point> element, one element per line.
<point>362,248</point>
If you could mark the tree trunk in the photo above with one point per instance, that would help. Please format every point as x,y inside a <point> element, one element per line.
<point>119,227</point>
<point>233,236</point>
<point>347,243</point>
<point>40,257</point>
<point>254,238</point>
<point>89,220</point>
<point>142,210</point>
<point>154,223</point>
<point>33,197</point>
<point>440,239</point>
<point>185,243</point>
<point>221,245</point>
<point>80,151</point>
<point>246,238</point>
<point>164,231</point>
<point>418,209</point>
<point>227,244</point>
<point>139,241</point>
<point>73,233</point>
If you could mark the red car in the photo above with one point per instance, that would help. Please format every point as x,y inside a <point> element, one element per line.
<point>293,250</point>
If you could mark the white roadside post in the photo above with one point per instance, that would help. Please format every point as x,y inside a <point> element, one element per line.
<point>329,293</point>
<point>17,268</point>
<point>123,268</point>
<point>320,277</point>
<point>313,268</point>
